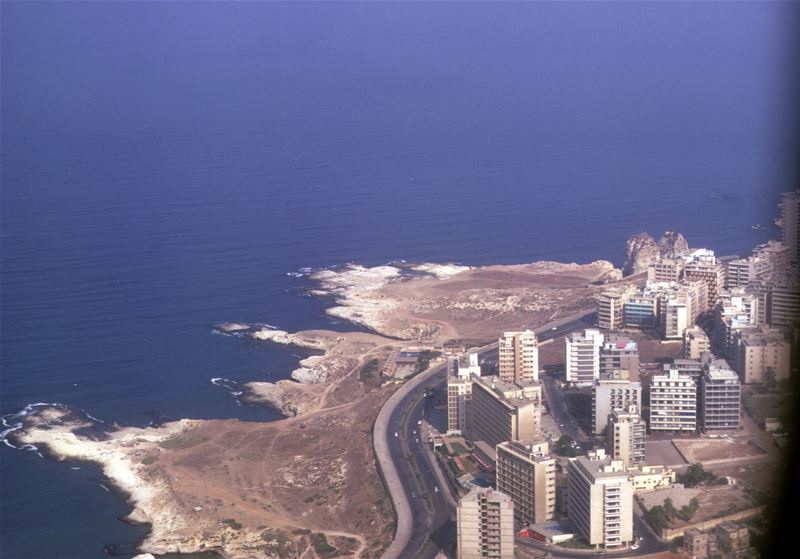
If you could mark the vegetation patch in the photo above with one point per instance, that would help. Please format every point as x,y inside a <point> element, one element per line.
<point>278,543</point>
<point>186,440</point>
<point>564,447</point>
<point>370,375</point>
<point>424,359</point>
<point>322,547</point>
<point>147,460</point>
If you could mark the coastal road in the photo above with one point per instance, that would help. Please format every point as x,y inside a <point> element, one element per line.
<point>425,515</point>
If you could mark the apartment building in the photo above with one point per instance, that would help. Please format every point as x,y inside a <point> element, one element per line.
<point>757,351</point>
<point>609,394</point>
<point>625,436</point>
<point>689,367</point>
<point>619,353</point>
<point>600,500</point>
<point>702,265</point>
<point>583,356</point>
<point>485,525</point>
<point>526,472</point>
<point>790,232</point>
<point>504,411</point>
<point>611,306</point>
<point>720,398</point>
<point>695,342</point>
<point>518,357</point>
<point>673,402</point>
<point>665,270</point>
<point>641,310</point>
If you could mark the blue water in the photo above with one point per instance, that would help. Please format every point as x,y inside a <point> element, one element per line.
<point>165,164</point>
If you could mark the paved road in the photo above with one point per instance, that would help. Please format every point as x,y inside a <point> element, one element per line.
<point>425,517</point>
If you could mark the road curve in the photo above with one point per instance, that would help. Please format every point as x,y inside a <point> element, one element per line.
<point>381,436</point>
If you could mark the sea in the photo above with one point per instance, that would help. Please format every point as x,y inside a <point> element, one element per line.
<point>167,166</point>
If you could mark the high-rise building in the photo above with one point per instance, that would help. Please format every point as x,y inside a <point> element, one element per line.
<point>702,265</point>
<point>741,272</point>
<point>619,353</point>
<point>460,371</point>
<point>673,402</point>
<point>790,208</point>
<point>688,367</point>
<point>583,356</point>
<point>720,398</point>
<point>518,357</point>
<point>625,436</point>
<point>736,309</point>
<point>610,394</point>
<point>526,472</point>
<point>674,315</point>
<point>783,302</point>
<point>665,270</point>
<point>641,310</point>
<point>610,307</point>
<point>600,500</point>
<point>695,342</point>
<point>503,411</point>
<point>758,351</point>
<point>485,524</point>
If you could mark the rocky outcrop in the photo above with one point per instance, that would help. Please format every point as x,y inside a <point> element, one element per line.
<point>672,245</point>
<point>641,250</point>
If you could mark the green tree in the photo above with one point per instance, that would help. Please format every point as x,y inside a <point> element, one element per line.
<point>657,518</point>
<point>770,379</point>
<point>669,509</point>
<point>563,447</point>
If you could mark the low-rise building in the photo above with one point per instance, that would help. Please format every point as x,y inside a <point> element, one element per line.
<point>696,543</point>
<point>600,500</point>
<point>526,472</point>
<point>648,478</point>
<point>485,525</point>
<point>673,402</point>
<point>732,537</point>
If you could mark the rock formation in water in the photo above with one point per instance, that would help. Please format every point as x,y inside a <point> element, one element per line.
<point>642,249</point>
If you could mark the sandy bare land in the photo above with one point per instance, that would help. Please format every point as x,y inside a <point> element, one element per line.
<point>300,486</point>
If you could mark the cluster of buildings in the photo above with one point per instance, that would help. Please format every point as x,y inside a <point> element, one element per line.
<point>750,305</point>
<point>504,412</point>
<point>749,308</point>
<point>727,538</point>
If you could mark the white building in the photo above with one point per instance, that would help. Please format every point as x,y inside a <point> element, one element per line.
<point>461,369</point>
<point>625,436</point>
<point>485,524</point>
<point>583,356</point>
<point>518,357</point>
<point>600,500</point>
<point>673,402</point>
<point>609,394</point>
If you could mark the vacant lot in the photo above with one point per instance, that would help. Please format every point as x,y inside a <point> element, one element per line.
<point>716,449</point>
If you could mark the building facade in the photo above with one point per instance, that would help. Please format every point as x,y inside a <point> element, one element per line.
<point>583,356</point>
<point>695,342</point>
<point>609,394</point>
<point>720,398</point>
<point>673,402</point>
<point>526,472</point>
<point>485,525</point>
<point>757,352</point>
<point>625,436</point>
<point>502,411</point>
<point>600,500</point>
<point>518,357</point>
<point>619,353</point>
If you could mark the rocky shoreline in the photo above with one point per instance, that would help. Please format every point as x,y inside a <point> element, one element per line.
<point>239,488</point>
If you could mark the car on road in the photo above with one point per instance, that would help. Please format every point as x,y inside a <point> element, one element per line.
<point>395,434</point>
<point>554,328</point>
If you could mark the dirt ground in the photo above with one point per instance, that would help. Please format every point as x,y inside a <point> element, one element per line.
<point>716,449</point>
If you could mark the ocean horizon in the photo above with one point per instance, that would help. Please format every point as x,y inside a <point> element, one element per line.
<point>167,167</point>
